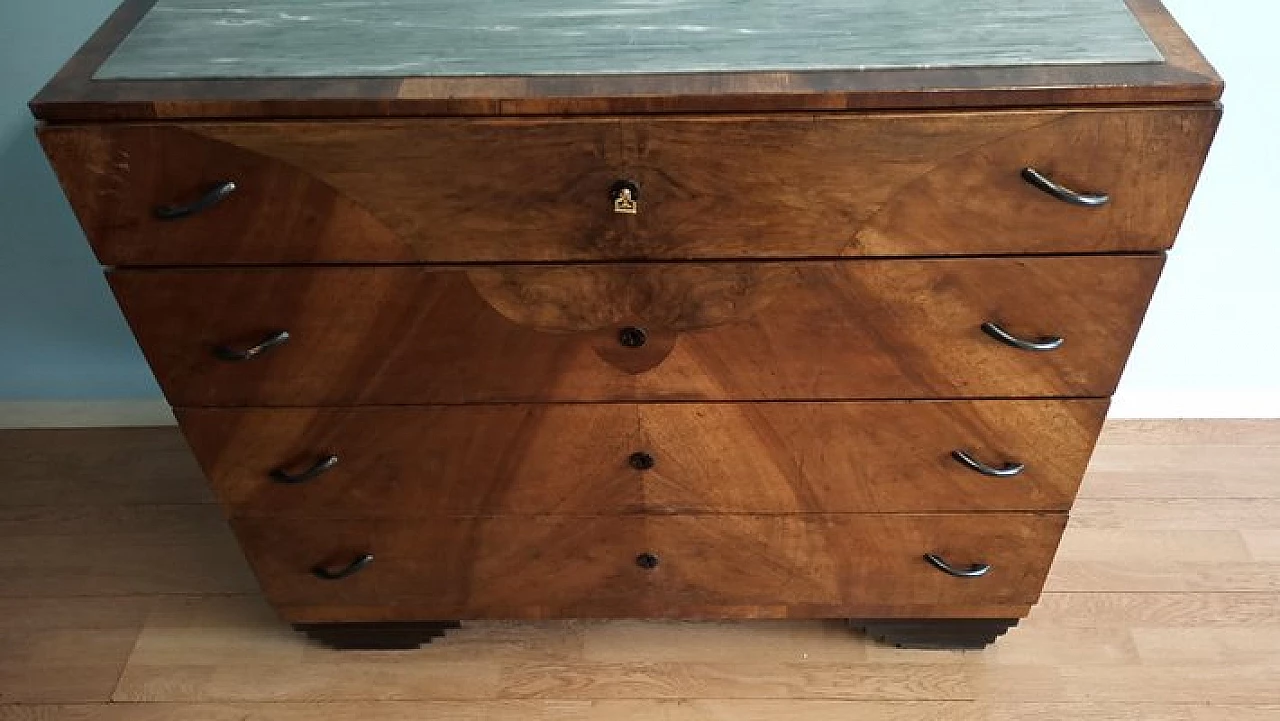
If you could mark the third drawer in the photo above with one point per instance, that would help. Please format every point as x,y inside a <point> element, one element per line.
<point>646,458</point>
<point>819,330</point>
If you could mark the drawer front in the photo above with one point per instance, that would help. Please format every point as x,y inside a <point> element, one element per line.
<point>706,187</point>
<point>537,567</point>
<point>606,459</point>
<point>743,331</point>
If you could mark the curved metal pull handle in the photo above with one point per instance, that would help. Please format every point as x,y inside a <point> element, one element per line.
<point>1061,192</point>
<point>1043,343</point>
<point>1008,470</point>
<point>977,570</point>
<point>215,195</point>
<point>321,466</point>
<point>328,574</point>
<point>273,339</point>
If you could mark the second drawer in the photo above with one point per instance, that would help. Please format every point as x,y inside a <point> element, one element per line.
<point>646,458</point>
<point>823,330</point>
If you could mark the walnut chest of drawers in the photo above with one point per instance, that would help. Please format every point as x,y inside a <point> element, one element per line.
<point>823,329</point>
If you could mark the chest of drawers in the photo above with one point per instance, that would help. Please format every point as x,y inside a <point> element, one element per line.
<point>816,330</point>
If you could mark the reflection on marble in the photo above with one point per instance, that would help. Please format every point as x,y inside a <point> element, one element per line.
<point>318,38</point>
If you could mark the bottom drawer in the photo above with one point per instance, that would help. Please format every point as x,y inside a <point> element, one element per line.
<point>651,566</point>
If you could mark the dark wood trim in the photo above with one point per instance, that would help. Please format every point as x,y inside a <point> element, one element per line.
<point>73,95</point>
<point>933,633</point>
<point>376,636</point>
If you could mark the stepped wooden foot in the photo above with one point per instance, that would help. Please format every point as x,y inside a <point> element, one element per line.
<point>376,636</point>
<point>935,633</point>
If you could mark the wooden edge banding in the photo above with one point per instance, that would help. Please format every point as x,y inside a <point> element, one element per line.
<point>73,78</point>
<point>1178,48</point>
<point>73,95</point>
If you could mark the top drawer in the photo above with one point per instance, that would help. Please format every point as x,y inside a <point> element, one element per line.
<point>703,187</point>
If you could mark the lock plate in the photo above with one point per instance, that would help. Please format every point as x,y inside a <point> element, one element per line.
<point>626,197</point>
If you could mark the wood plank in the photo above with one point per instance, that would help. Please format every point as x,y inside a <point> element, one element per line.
<point>65,650</point>
<point>1263,545</point>
<point>96,565</point>
<point>1248,515</point>
<point>1139,548</point>
<point>1214,609</point>
<point>109,613</point>
<point>1183,432</point>
<point>1197,684</point>
<point>640,710</point>
<point>1187,471</point>
<point>1209,647</point>
<point>1169,575</point>
<point>160,522</point>
<point>346,679</point>
<point>98,466</point>
<point>673,680</point>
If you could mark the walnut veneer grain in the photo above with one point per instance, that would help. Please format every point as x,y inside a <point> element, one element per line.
<point>577,459</point>
<point>743,331</point>
<point>727,566</point>
<point>731,187</point>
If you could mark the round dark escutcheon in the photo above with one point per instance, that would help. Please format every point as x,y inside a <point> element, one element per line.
<point>647,561</point>
<point>641,461</point>
<point>632,337</point>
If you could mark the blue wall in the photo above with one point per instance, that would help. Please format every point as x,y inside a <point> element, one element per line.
<point>61,336</point>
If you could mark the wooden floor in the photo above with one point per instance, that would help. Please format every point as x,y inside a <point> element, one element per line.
<point>123,596</point>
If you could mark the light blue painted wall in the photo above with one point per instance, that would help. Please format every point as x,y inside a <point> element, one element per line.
<point>1209,347</point>
<point>61,336</point>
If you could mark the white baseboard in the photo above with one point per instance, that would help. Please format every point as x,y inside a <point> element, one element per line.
<point>1135,404</point>
<point>1196,404</point>
<point>84,414</point>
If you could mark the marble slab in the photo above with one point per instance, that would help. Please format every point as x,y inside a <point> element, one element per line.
<point>347,38</point>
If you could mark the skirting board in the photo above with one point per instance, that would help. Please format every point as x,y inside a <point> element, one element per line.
<point>84,414</point>
<point>1156,404</point>
<point>1127,405</point>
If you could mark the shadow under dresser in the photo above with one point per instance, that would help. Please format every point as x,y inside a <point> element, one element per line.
<point>555,309</point>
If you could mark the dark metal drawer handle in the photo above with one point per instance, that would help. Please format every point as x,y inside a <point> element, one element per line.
<point>273,339</point>
<point>1008,470</point>
<point>279,475</point>
<point>215,195</point>
<point>1042,182</point>
<point>977,570</point>
<point>1043,343</point>
<point>328,574</point>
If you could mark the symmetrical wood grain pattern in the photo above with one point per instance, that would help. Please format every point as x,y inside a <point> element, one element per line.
<point>706,458</point>
<point>733,187</point>
<point>73,95</point>
<point>816,566</point>
<point>742,331</point>
<point>740,401</point>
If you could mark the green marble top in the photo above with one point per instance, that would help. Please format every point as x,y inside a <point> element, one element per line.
<point>346,38</point>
